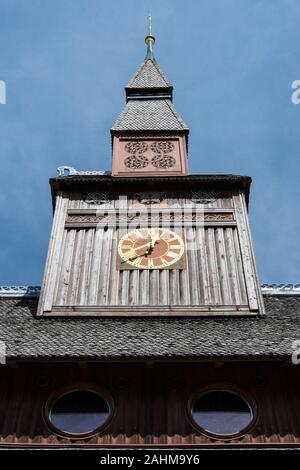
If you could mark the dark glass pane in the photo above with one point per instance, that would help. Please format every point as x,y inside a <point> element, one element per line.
<point>222,412</point>
<point>79,412</point>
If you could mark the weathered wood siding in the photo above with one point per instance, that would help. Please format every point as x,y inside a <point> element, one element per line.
<point>88,276</point>
<point>219,275</point>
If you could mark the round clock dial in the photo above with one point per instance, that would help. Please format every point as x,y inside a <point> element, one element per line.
<point>150,248</point>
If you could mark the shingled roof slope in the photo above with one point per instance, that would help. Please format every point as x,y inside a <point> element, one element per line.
<point>149,76</point>
<point>270,336</point>
<point>143,115</point>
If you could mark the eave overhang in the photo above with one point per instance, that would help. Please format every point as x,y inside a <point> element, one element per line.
<point>151,182</point>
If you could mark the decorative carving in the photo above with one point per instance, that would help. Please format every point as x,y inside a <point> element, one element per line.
<point>20,291</point>
<point>130,217</point>
<point>186,218</point>
<point>70,171</point>
<point>215,217</point>
<point>150,198</point>
<point>89,218</point>
<point>135,163</point>
<point>136,160</point>
<point>203,197</point>
<point>136,147</point>
<point>162,146</point>
<point>97,198</point>
<point>162,159</point>
<point>280,289</point>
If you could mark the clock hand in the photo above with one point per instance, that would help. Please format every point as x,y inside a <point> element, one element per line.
<point>154,240</point>
<point>138,256</point>
<point>142,246</point>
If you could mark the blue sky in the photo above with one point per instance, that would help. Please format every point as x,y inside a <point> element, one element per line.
<point>232,63</point>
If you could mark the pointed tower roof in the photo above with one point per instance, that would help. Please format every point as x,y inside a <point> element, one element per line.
<point>149,79</point>
<point>149,115</point>
<point>149,96</point>
<point>149,76</point>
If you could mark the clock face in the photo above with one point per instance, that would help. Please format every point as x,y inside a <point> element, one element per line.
<point>150,248</point>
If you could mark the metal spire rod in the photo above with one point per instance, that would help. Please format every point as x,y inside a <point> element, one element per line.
<point>150,24</point>
<point>150,40</point>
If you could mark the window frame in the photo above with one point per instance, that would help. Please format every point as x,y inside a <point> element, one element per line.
<point>82,387</point>
<point>229,388</point>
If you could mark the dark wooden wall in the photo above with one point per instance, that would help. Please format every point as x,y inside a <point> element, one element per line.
<point>150,401</point>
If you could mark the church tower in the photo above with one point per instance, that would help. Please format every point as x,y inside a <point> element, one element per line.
<point>149,239</point>
<point>149,331</point>
<point>149,137</point>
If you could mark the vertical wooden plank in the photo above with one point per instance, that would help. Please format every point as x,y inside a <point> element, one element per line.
<point>223,266</point>
<point>214,281</point>
<point>184,285</point>
<point>232,267</point>
<point>154,287</point>
<point>112,286</point>
<point>95,266</point>
<point>250,278</point>
<point>203,266</point>
<point>104,271</point>
<point>53,259</point>
<point>193,271</point>
<point>240,269</point>
<point>226,203</point>
<point>144,287</point>
<point>133,286</point>
<point>66,268</point>
<point>76,267</point>
<point>174,287</point>
<point>59,268</point>
<point>124,287</point>
<point>164,287</point>
<point>260,300</point>
<point>86,267</point>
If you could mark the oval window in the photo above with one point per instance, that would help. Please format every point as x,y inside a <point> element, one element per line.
<point>79,412</point>
<point>222,413</point>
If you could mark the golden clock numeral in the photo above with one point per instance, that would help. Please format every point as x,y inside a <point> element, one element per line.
<point>166,238</point>
<point>172,254</point>
<point>137,262</point>
<point>138,234</point>
<point>174,247</point>
<point>164,262</point>
<point>173,239</point>
<point>150,263</point>
<point>129,253</point>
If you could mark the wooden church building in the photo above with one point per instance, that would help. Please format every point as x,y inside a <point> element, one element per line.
<point>151,327</point>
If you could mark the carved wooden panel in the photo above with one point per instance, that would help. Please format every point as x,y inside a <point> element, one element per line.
<point>149,156</point>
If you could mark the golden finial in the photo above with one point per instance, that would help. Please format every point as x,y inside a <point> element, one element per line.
<point>149,40</point>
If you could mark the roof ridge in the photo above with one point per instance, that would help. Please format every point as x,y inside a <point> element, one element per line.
<point>34,291</point>
<point>280,289</point>
<point>165,78</point>
<point>175,114</point>
<point>20,291</point>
